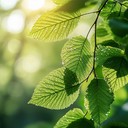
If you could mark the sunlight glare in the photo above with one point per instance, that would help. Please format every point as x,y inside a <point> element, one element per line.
<point>15,22</point>
<point>6,5</point>
<point>33,4</point>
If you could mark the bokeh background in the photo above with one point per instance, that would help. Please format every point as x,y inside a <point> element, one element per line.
<point>25,61</point>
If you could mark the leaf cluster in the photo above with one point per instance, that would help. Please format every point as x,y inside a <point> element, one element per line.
<point>101,61</point>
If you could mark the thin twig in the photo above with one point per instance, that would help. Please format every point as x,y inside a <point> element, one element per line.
<point>95,41</point>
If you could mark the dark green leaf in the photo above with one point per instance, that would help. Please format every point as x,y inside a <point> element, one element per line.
<point>110,43</point>
<point>77,56</point>
<point>119,26</point>
<point>58,90</point>
<point>100,98</point>
<point>126,14</point>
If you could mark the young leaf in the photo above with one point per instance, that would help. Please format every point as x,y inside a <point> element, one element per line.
<point>58,90</point>
<point>115,71</point>
<point>54,26</point>
<point>77,56</point>
<point>100,99</point>
<point>105,52</point>
<point>74,119</point>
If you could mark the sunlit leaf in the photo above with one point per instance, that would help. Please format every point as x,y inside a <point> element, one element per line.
<point>125,2</point>
<point>61,2</point>
<point>58,90</point>
<point>115,71</point>
<point>105,52</point>
<point>54,26</point>
<point>104,32</point>
<point>100,99</point>
<point>111,9</point>
<point>74,119</point>
<point>77,56</point>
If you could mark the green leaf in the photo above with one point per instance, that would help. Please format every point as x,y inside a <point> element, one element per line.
<point>111,9</point>
<point>104,32</point>
<point>74,119</point>
<point>125,3</point>
<point>126,14</point>
<point>100,98</point>
<point>54,26</point>
<point>77,56</point>
<point>105,52</point>
<point>60,2</point>
<point>115,71</point>
<point>119,26</point>
<point>58,90</point>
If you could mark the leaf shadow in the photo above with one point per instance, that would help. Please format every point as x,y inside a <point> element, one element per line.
<point>81,123</point>
<point>119,64</point>
<point>71,81</point>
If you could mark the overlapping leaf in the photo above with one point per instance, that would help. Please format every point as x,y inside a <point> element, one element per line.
<point>111,9</point>
<point>105,52</point>
<point>77,56</point>
<point>74,119</point>
<point>115,71</point>
<point>125,3</point>
<point>54,26</point>
<point>100,99</point>
<point>119,26</point>
<point>57,91</point>
<point>104,32</point>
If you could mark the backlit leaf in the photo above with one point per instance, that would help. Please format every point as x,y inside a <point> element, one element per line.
<point>58,90</point>
<point>54,26</point>
<point>105,52</point>
<point>77,56</point>
<point>74,119</point>
<point>115,71</point>
<point>60,2</point>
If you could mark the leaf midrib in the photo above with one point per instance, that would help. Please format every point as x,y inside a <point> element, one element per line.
<point>59,91</point>
<point>56,23</point>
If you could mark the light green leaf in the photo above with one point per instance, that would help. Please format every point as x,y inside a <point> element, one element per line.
<point>60,2</point>
<point>115,71</point>
<point>100,99</point>
<point>77,56</point>
<point>104,32</point>
<point>105,52</point>
<point>54,26</point>
<point>125,3</point>
<point>74,119</point>
<point>58,90</point>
